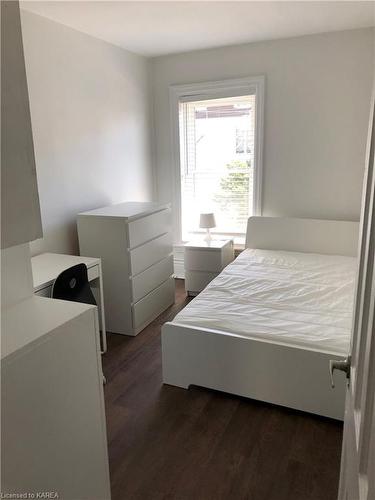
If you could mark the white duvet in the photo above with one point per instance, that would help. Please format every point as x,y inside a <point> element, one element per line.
<point>295,298</point>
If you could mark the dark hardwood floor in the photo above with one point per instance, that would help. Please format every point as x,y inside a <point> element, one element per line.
<point>169,443</point>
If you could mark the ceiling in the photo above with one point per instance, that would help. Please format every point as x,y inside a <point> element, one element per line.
<point>158,28</point>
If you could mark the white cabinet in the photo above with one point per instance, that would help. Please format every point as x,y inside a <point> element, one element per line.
<point>53,420</point>
<point>134,242</point>
<point>204,261</point>
<point>53,425</point>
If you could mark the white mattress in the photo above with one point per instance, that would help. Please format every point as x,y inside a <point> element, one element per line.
<point>301,299</point>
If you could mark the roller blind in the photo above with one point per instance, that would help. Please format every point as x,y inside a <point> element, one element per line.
<point>217,162</point>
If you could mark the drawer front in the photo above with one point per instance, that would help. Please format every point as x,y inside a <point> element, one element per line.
<point>148,308</point>
<point>203,260</point>
<point>93,272</point>
<point>44,292</point>
<point>148,280</point>
<point>147,228</point>
<point>196,281</point>
<point>144,256</point>
<point>228,254</point>
<point>178,255</point>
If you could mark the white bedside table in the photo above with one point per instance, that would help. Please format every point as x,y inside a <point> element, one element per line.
<point>204,261</point>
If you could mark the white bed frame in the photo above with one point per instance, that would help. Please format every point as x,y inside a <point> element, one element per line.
<point>282,374</point>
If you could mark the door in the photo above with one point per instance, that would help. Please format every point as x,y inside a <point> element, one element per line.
<point>357,481</point>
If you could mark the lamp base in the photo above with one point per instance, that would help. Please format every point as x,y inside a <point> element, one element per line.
<point>208,236</point>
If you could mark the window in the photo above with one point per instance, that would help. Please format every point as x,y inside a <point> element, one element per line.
<point>217,154</point>
<point>243,138</point>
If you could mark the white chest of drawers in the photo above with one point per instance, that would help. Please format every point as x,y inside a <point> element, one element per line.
<point>204,261</point>
<point>134,242</point>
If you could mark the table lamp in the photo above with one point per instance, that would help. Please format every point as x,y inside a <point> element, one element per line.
<point>207,221</point>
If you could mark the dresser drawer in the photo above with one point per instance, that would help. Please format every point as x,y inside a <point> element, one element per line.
<point>149,227</point>
<point>93,272</point>
<point>203,260</point>
<point>144,256</point>
<point>196,281</point>
<point>153,304</point>
<point>151,278</point>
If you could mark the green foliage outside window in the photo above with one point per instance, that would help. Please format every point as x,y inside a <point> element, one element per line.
<point>233,196</point>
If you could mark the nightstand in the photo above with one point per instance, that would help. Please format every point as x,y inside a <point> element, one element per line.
<point>204,261</point>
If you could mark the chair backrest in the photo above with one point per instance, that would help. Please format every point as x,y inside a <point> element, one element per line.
<point>73,285</point>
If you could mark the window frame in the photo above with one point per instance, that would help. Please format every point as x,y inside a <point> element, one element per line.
<point>214,90</point>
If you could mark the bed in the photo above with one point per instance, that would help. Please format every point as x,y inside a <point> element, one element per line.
<point>268,325</point>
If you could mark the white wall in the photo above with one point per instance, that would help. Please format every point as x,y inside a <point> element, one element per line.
<point>91,117</point>
<point>316,116</point>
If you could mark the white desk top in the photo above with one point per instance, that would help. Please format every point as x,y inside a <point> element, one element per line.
<point>31,319</point>
<point>47,266</point>
<point>129,210</point>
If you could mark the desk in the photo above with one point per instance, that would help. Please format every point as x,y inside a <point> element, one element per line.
<point>47,266</point>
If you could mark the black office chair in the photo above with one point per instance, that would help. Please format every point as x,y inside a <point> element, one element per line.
<point>73,285</point>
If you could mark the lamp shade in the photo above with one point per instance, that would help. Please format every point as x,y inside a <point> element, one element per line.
<point>207,220</point>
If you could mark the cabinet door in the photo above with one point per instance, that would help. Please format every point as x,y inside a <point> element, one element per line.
<point>20,212</point>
